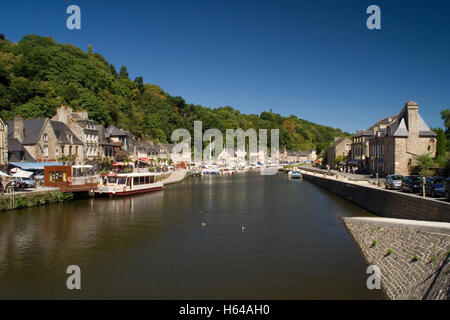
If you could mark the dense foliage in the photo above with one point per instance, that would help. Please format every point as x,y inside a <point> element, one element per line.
<point>37,75</point>
<point>445,115</point>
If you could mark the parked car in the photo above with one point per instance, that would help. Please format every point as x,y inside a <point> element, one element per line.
<point>447,189</point>
<point>412,184</point>
<point>434,186</point>
<point>394,181</point>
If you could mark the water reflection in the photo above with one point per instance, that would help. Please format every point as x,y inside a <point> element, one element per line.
<point>154,245</point>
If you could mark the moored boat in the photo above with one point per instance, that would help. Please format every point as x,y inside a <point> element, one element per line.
<point>295,174</point>
<point>124,184</point>
<point>196,173</point>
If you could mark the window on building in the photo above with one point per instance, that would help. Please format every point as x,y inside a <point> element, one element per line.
<point>45,150</point>
<point>45,137</point>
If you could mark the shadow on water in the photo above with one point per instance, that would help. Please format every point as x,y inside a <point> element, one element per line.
<point>217,237</point>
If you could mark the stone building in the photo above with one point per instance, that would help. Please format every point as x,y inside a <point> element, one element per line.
<point>394,147</point>
<point>105,146</point>
<point>123,137</point>
<point>83,128</point>
<point>340,147</point>
<point>312,155</point>
<point>67,143</point>
<point>291,156</point>
<point>3,144</point>
<point>144,149</point>
<point>36,136</point>
<point>165,150</point>
<point>360,149</point>
<point>283,155</point>
<point>41,140</point>
<point>301,156</point>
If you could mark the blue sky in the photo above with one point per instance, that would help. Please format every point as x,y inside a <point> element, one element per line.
<point>313,59</point>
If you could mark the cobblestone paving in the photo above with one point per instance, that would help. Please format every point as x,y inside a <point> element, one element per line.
<point>414,264</point>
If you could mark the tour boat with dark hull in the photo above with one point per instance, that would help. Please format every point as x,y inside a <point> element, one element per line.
<point>125,184</point>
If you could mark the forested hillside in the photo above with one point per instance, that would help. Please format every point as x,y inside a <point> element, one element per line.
<point>37,75</point>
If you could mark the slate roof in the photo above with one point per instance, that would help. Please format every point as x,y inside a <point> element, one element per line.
<point>338,141</point>
<point>400,129</point>
<point>32,129</point>
<point>385,121</point>
<point>113,131</point>
<point>153,150</point>
<point>424,130</point>
<point>84,123</point>
<point>168,146</point>
<point>363,133</point>
<point>14,145</point>
<point>62,131</point>
<point>16,151</point>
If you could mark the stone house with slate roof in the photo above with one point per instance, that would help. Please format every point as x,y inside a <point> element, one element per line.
<point>41,139</point>
<point>67,143</point>
<point>340,147</point>
<point>123,137</point>
<point>397,141</point>
<point>105,146</point>
<point>83,128</point>
<point>36,136</point>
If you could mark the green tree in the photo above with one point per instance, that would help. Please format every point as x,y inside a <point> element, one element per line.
<point>441,143</point>
<point>445,115</point>
<point>139,81</point>
<point>37,75</point>
<point>124,73</point>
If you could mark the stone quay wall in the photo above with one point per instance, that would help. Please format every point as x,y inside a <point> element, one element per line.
<point>385,203</point>
<point>413,260</point>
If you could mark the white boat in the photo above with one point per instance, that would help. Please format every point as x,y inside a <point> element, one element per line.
<point>210,169</point>
<point>196,173</point>
<point>124,184</point>
<point>295,174</point>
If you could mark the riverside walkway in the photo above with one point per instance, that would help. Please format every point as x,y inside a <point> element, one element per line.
<point>175,177</point>
<point>361,180</point>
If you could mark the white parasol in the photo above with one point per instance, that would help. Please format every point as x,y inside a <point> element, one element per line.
<point>22,174</point>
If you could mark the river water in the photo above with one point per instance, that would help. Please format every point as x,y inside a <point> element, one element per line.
<point>188,242</point>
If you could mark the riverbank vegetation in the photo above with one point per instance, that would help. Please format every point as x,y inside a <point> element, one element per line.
<point>37,75</point>
<point>8,202</point>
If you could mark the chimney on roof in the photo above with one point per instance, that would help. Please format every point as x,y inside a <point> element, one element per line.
<point>412,121</point>
<point>63,114</point>
<point>18,128</point>
<point>82,115</point>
